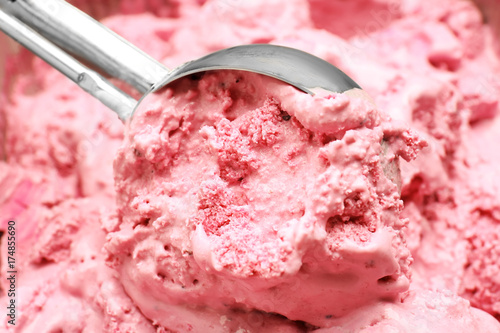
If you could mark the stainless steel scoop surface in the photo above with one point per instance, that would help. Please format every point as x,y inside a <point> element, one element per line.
<point>55,31</point>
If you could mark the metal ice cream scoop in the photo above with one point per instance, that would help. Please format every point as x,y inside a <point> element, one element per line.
<point>54,30</point>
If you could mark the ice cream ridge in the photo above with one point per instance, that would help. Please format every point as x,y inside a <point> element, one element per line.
<point>233,202</point>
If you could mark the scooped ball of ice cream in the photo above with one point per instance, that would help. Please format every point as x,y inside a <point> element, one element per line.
<point>238,192</point>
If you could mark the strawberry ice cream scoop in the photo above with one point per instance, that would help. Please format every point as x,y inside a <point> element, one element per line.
<point>237,192</point>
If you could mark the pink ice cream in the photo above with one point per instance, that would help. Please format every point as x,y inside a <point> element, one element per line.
<point>239,192</point>
<point>232,202</point>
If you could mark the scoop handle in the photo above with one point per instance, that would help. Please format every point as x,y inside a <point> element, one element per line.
<point>81,35</point>
<point>87,79</point>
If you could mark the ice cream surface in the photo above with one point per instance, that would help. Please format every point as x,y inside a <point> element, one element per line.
<point>232,202</point>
